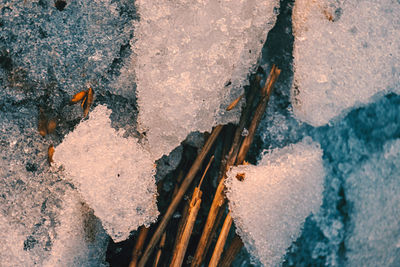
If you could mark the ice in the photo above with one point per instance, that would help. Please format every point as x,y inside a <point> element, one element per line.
<point>191,60</point>
<point>373,191</point>
<point>345,52</point>
<point>82,240</point>
<point>114,175</point>
<point>271,203</point>
<point>61,49</point>
<point>37,223</point>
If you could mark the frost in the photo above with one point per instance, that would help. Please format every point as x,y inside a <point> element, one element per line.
<point>271,203</point>
<point>345,52</point>
<point>191,60</point>
<point>373,190</point>
<point>114,175</point>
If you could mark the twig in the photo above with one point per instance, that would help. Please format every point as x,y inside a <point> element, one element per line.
<point>175,202</point>
<point>183,238</point>
<point>219,247</point>
<point>230,254</point>
<point>160,248</point>
<point>137,250</point>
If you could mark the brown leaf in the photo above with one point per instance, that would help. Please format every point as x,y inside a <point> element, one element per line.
<point>88,101</point>
<point>78,97</point>
<point>42,124</point>
<point>51,126</point>
<point>50,153</point>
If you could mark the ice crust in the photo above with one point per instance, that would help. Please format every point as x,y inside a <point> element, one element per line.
<point>191,59</point>
<point>373,190</point>
<point>344,62</point>
<point>37,220</point>
<point>65,49</point>
<point>114,175</point>
<point>271,204</point>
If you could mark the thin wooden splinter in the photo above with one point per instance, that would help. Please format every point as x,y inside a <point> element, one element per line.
<point>194,207</point>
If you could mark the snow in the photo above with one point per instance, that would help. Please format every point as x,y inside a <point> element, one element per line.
<point>114,175</point>
<point>65,49</point>
<point>271,203</point>
<point>345,52</point>
<point>373,190</point>
<point>37,223</point>
<point>191,60</point>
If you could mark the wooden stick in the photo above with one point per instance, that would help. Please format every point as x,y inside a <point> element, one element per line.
<point>137,250</point>
<point>219,247</point>
<point>160,248</point>
<point>184,236</point>
<point>230,254</point>
<point>219,199</point>
<point>175,202</point>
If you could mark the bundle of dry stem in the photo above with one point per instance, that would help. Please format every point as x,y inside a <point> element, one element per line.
<point>178,197</point>
<point>244,148</point>
<point>236,148</point>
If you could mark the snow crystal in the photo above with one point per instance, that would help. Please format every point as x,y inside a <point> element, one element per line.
<point>273,200</point>
<point>373,191</point>
<point>115,175</point>
<point>345,52</point>
<point>191,60</point>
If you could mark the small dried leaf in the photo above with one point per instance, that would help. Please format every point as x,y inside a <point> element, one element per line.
<point>42,124</point>
<point>50,153</point>
<point>240,176</point>
<point>234,103</point>
<point>51,126</point>
<point>78,97</point>
<point>88,101</point>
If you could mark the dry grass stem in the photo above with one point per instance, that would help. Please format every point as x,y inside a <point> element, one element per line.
<point>266,93</point>
<point>229,255</point>
<point>244,148</point>
<point>219,247</point>
<point>137,249</point>
<point>184,237</point>
<point>160,249</point>
<point>219,199</point>
<point>175,201</point>
<point>234,103</point>
<point>180,249</point>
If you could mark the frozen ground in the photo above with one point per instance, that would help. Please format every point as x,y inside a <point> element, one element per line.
<point>47,54</point>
